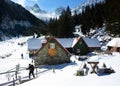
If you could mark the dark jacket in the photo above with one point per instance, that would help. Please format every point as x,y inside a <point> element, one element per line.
<point>31,67</point>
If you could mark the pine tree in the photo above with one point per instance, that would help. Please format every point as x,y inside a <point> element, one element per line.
<point>52,27</point>
<point>66,24</point>
<point>112,15</point>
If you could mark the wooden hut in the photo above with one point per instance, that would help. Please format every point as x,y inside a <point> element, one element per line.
<point>85,45</point>
<point>52,53</point>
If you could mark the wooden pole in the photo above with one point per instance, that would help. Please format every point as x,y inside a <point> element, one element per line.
<point>13,82</point>
<point>16,75</point>
<point>20,79</point>
<point>53,69</point>
<point>36,72</point>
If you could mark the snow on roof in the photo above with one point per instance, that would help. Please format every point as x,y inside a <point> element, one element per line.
<point>92,42</point>
<point>35,43</point>
<point>75,41</point>
<point>114,42</point>
<point>66,42</point>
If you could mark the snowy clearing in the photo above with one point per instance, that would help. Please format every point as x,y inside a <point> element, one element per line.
<point>63,75</point>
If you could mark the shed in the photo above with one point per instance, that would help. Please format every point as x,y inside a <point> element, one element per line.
<point>52,53</point>
<point>114,45</point>
<point>84,45</point>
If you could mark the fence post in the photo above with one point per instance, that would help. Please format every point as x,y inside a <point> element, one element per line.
<point>13,82</point>
<point>17,69</point>
<point>20,79</point>
<point>8,76</point>
<point>53,69</point>
<point>36,72</point>
<point>16,75</point>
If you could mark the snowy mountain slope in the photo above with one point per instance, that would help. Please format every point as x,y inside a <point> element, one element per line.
<point>14,19</point>
<point>82,6</point>
<point>101,35</point>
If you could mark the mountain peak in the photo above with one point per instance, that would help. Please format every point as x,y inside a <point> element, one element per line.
<point>36,5</point>
<point>59,10</point>
<point>35,9</point>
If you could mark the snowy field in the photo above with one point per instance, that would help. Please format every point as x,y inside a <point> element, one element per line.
<point>63,75</point>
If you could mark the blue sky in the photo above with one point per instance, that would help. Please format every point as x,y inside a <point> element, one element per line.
<point>51,5</point>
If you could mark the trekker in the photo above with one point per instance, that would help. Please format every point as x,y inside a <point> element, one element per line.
<point>31,70</point>
<point>22,55</point>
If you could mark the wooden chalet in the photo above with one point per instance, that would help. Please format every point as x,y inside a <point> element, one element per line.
<point>52,53</point>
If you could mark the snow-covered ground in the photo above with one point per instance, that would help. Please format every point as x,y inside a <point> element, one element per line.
<point>63,75</point>
<point>10,57</point>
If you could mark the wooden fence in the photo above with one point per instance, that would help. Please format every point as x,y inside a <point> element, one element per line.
<point>16,79</point>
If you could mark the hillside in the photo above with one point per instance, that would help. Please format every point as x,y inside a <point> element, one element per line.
<point>15,20</point>
<point>82,6</point>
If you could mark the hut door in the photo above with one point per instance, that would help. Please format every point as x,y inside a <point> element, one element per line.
<point>78,51</point>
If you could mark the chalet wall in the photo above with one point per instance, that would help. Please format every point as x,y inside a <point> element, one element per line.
<point>44,58</point>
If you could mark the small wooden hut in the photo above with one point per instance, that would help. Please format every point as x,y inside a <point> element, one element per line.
<point>85,45</point>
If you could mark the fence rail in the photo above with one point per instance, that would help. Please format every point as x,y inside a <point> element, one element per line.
<point>15,72</point>
<point>11,71</point>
